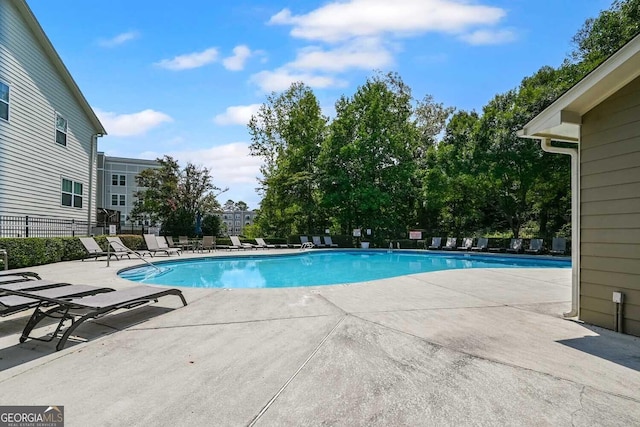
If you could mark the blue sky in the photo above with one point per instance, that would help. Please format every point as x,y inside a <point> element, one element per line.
<point>183,78</point>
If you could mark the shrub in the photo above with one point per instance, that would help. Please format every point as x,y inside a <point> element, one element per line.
<point>29,251</point>
<point>25,252</point>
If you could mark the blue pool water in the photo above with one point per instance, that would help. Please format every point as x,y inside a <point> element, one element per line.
<point>318,268</point>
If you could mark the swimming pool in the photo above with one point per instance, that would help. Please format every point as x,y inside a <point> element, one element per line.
<point>316,268</point>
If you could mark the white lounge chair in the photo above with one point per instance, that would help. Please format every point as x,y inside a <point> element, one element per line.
<point>451,244</point>
<point>558,246</point>
<point>467,243</point>
<point>120,249</point>
<point>94,250</point>
<point>329,243</point>
<point>317,242</point>
<point>305,243</point>
<point>483,245</point>
<point>264,245</point>
<point>153,245</point>
<point>235,241</point>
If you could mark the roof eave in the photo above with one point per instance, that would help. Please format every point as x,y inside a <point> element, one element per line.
<point>561,120</point>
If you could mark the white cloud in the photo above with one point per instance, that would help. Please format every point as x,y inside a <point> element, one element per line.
<point>237,115</point>
<point>231,165</point>
<point>364,53</point>
<point>119,39</point>
<point>131,124</point>
<point>236,62</point>
<point>487,37</point>
<point>190,60</point>
<point>343,20</point>
<point>281,79</point>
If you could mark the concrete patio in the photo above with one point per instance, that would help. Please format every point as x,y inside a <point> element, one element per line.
<point>459,347</point>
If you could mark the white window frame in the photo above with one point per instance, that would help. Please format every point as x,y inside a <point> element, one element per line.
<point>120,199</point>
<point>114,175</point>
<point>66,129</point>
<point>122,180</point>
<point>73,193</point>
<point>8,101</point>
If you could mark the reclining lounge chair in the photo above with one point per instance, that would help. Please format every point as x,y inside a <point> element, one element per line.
<point>264,245</point>
<point>236,243</point>
<point>119,248</point>
<point>37,294</point>
<point>79,310</point>
<point>94,250</point>
<point>558,246</point>
<point>317,242</point>
<point>18,277</point>
<point>467,243</point>
<point>163,244</point>
<point>483,245</point>
<point>451,244</point>
<point>329,243</point>
<point>208,243</point>
<point>153,245</point>
<point>515,246</point>
<point>535,246</point>
<point>436,243</point>
<point>304,243</point>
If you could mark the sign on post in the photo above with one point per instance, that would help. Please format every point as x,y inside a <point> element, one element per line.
<point>415,235</point>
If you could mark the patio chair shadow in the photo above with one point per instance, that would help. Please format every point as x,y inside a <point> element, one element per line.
<point>18,354</point>
<point>617,348</point>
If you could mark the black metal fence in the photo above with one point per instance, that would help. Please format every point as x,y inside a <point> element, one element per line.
<point>40,226</point>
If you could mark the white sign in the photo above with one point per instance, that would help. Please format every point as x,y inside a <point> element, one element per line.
<point>112,230</point>
<point>415,235</point>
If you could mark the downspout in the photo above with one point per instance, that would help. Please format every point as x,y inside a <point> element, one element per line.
<point>545,144</point>
<point>92,161</point>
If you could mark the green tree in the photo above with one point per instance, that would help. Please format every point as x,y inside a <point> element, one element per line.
<point>174,196</point>
<point>601,36</point>
<point>287,133</point>
<point>211,225</point>
<point>229,205</point>
<point>453,185</point>
<point>367,162</point>
<point>241,206</point>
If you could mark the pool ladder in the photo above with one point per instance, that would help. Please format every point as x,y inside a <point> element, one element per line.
<point>307,245</point>
<point>130,252</point>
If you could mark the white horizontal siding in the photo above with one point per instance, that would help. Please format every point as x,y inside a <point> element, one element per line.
<point>31,162</point>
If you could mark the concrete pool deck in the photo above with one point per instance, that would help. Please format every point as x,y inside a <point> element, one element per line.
<point>457,347</point>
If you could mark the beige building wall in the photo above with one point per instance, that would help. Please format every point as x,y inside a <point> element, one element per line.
<point>610,209</point>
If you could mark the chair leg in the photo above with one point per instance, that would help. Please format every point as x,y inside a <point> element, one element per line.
<point>70,329</point>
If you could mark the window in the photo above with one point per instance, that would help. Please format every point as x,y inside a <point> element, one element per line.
<point>71,193</point>
<point>118,199</point>
<point>4,101</point>
<point>118,179</point>
<point>61,130</point>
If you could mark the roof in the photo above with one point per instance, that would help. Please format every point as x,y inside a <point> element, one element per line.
<point>561,120</point>
<point>50,51</point>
